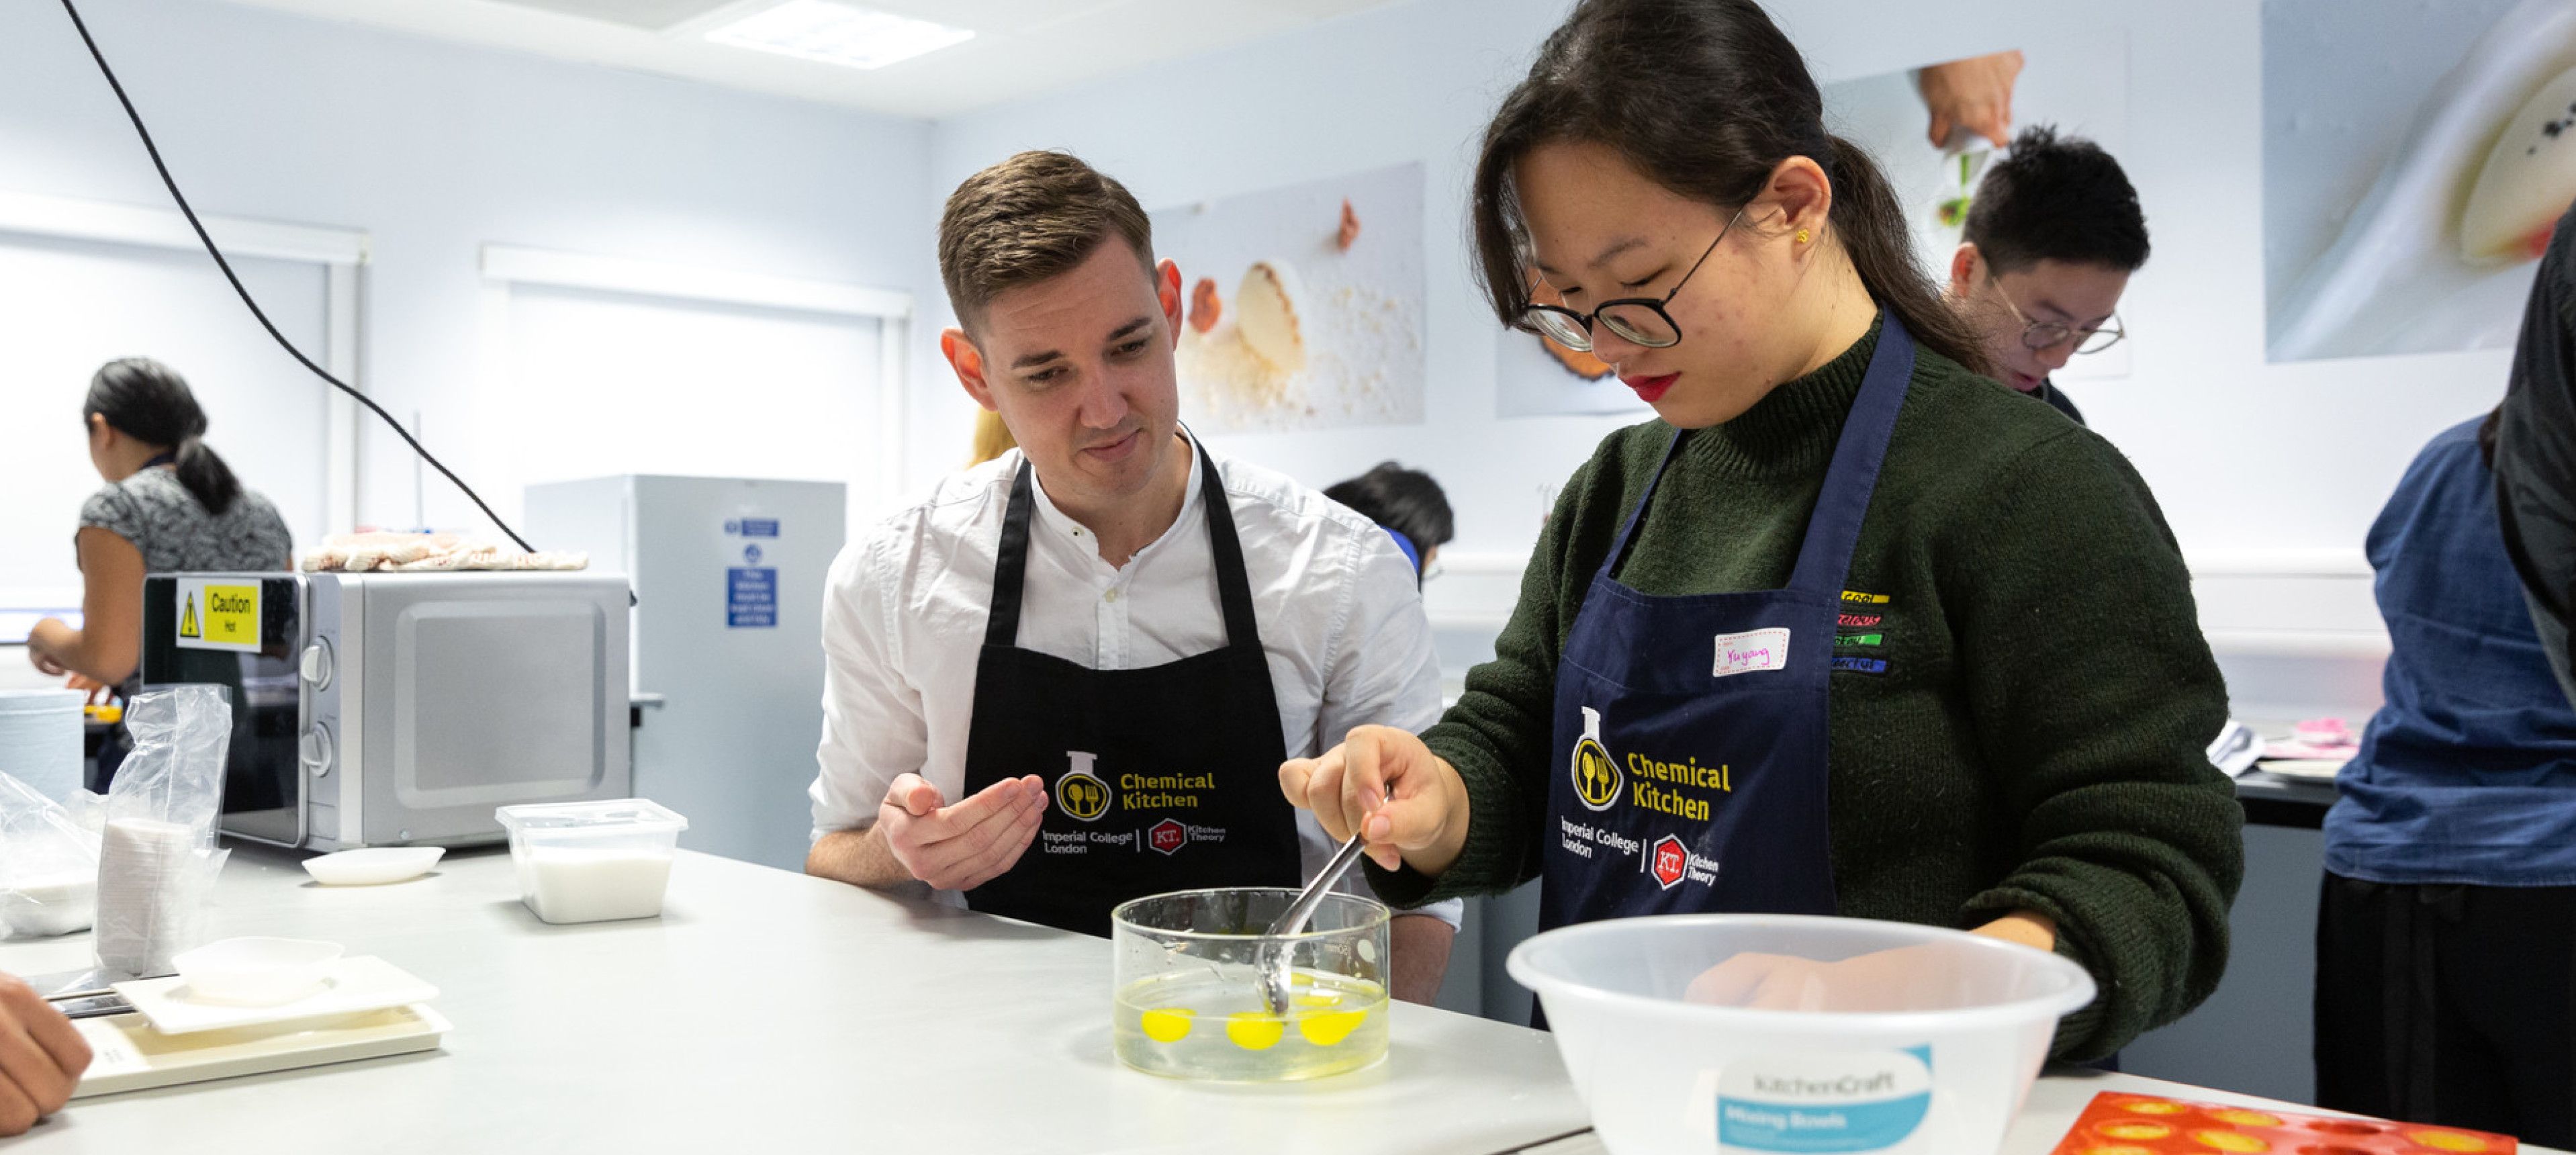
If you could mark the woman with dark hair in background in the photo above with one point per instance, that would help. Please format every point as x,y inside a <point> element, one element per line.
<point>1958,676</point>
<point>169,505</point>
<point>1405,503</point>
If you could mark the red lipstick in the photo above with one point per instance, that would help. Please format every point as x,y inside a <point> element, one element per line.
<point>1650,389</point>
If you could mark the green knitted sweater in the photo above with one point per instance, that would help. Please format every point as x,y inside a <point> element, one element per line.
<point>2037,739</point>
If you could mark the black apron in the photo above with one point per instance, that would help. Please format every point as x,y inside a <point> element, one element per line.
<point>1160,779</point>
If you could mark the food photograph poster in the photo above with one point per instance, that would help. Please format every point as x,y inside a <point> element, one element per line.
<point>1304,304</point>
<point>2415,157</point>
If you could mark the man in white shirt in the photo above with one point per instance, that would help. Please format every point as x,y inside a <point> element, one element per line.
<point>1069,678</point>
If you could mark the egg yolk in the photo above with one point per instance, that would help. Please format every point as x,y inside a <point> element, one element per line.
<point>2136,1131</point>
<point>2120,1150</point>
<point>1255,1030</point>
<point>2447,1141</point>
<point>2231,1141</point>
<point>1168,1024</point>
<point>2153,1107</point>
<point>1329,1027</point>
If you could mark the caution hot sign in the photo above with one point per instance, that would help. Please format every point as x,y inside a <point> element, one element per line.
<point>218,614</point>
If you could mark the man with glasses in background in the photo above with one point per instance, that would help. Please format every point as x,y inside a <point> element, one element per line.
<point>2052,235</point>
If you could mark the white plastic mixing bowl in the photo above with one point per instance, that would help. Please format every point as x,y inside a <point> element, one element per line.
<point>1929,1050</point>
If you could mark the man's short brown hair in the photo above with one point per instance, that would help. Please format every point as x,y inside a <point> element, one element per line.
<point>1029,219</point>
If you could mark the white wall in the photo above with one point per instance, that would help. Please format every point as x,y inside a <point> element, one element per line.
<point>90,302</point>
<point>436,149</point>
<point>2272,469</point>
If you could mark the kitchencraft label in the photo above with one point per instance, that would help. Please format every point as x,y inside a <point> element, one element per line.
<point>1825,1103</point>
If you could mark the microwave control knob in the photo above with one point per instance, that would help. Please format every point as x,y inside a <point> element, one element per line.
<point>316,666</point>
<point>314,751</point>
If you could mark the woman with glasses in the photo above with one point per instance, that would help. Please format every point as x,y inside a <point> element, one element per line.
<point>2051,239</point>
<point>1849,629</point>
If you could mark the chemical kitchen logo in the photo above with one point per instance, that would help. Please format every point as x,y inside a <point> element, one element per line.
<point>1168,836</point>
<point>1596,777</point>
<point>1079,792</point>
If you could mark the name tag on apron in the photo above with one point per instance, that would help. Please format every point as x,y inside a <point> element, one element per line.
<point>1750,651</point>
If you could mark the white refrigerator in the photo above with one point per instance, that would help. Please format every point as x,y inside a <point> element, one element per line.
<point>726,651</point>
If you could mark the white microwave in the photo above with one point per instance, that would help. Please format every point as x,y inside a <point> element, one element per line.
<point>388,709</point>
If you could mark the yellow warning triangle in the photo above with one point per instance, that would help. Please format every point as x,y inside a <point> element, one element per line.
<point>188,619</point>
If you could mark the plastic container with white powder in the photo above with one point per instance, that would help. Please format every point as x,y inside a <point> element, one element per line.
<point>593,861</point>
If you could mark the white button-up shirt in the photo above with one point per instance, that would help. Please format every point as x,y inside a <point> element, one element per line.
<point>904,614</point>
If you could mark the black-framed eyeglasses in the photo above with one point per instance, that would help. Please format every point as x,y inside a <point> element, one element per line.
<point>1639,321</point>
<point>2039,335</point>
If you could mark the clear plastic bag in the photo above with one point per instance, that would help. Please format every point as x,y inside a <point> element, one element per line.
<point>157,860</point>
<point>48,865</point>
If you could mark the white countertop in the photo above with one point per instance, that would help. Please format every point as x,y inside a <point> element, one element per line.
<point>769,1011</point>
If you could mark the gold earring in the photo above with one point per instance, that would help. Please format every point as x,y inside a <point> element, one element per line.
<point>1802,236</point>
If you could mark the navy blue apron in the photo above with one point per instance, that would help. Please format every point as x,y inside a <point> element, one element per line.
<point>1690,731</point>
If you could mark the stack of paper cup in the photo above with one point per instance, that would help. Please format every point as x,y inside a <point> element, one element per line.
<point>40,740</point>
<point>151,894</point>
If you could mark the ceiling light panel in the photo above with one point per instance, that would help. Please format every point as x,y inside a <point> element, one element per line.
<point>836,33</point>
<point>650,15</point>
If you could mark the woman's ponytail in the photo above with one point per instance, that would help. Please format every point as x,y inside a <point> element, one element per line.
<point>1869,220</point>
<point>206,476</point>
<point>149,402</point>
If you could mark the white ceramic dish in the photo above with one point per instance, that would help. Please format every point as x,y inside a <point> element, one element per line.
<point>349,986</point>
<point>255,971</point>
<point>374,865</point>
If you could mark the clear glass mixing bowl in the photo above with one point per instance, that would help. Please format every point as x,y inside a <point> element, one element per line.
<point>1187,986</point>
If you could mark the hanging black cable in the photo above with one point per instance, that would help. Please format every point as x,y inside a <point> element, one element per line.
<point>220,263</point>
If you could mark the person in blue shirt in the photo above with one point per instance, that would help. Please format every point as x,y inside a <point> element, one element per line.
<point>1408,505</point>
<point>2446,936</point>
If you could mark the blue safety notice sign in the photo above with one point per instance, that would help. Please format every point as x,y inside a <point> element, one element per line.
<point>751,597</point>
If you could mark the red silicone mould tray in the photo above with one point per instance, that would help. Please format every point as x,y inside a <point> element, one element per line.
<point>2117,1124</point>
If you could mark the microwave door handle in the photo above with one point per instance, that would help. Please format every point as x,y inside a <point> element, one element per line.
<point>304,693</point>
<point>303,792</point>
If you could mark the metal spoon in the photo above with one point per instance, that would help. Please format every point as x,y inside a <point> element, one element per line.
<point>1272,957</point>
